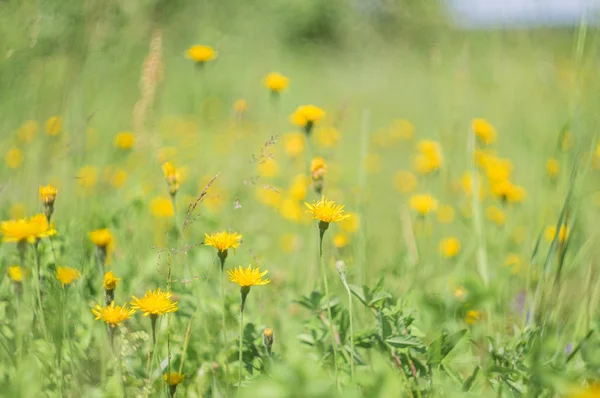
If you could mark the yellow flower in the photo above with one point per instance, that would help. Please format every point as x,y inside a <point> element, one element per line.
<point>124,140</point>
<point>472,317</point>
<point>248,277</point>
<point>223,241</point>
<point>162,207</point>
<point>268,196</point>
<point>290,242</point>
<point>240,106</point>
<point>496,215</point>
<point>173,379</point>
<point>498,169</point>
<point>15,273</point>
<point>351,224</point>
<point>402,130</point>
<point>54,125</point>
<point>113,315</point>
<point>67,275</point>
<point>514,262</point>
<point>118,178</point>
<point>13,158</point>
<point>17,210</point>
<point>293,144</point>
<point>466,183</point>
<point>423,204</point>
<point>405,181</point>
<point>450,247</point>
<point>299,187</point>
<point>485,132</point>
<point>290,210</point>
<point>201,54</point>
<point>460,293</point>
<point>429,157</point>
<point>592,391</point>
<point>48,194</point>
<point>27,131</point>
<point>268,168</point>
<point>372,163</point>
<point>340,240</point>
<point>87,177</point>
<point>307,116</point>
<point>327,137</point>
<point>102,238</point>
<point>110,281</point>
<point>318,168</point>
<point>326,211</point>
<point>445,214</point>
<point>550,233</point>
<point>482,157</point>
<point>508,191</point>
<point>26,230</point>
<point>173,176</point>
<point>276,82</point>
<point>552,167</point>
<point>155,303</point>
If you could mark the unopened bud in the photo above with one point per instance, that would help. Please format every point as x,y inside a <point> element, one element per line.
<point>268,339</point>
<point>340,266</point>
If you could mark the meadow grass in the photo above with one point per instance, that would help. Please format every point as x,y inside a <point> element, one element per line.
<point>504,307</point>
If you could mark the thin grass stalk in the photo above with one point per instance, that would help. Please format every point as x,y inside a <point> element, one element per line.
<point>223,314</point>
<point>351,329</point>
<point>38,285</point>
<point>241,364</point>
<point>324,274</point>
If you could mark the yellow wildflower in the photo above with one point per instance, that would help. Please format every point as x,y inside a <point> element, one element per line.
<point>340,240</point>
<point>67,275</point>
<point>27,131</point>
<point>307,116</point>
<point>552,167</point>
<point>445,214</point>
<point>162,207</point>
<point>326,211</point>
<point>87,177</point>
<point>299,187</point>
<point>173,378</point>
<point>113,314</point>
<point>13,158</point>
<point>423,204</point>
<point>318,168</point>
<point>550,233</point>
<point>429,157</point>
<point>268,168</point>
<point>201,54</point>
<point>327,137</point>
<point>496,215</point>
<point>248,277</point>
<point>293,144</point>
<point>26,230</point>
<point>48,194</point>
<point>118,178</point>
<point>472,317</point>
<point>460,293</point>
<point>513,261</point>
<point>508,191</point>
<point>15,273</point>
<point>240,106</point>
<point>110,281</point>
<point>155,303</point>
<point>173,177</point>
<point>276,82</point>
<point>450,247</point>
<point>402,130</point>
<point>485,132</point>
<point>223,241</point>
<point>54,125</point>
<point>124,140</point>
<point>592,391</point>
<point>405,181</point>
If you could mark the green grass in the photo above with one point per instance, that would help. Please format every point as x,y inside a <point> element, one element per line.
<point>83,61</point>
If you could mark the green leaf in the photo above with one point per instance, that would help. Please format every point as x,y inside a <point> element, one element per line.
<point>471,379</point>
<point>405,342</point>
<point>440,348</point>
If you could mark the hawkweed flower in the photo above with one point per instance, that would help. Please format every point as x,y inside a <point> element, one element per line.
<point>173,379</point>
<point>326,211</point>
<point>405,181</point>
<point>124,141</point>
<point>153,304</point>
<point>113,315</point>
<point>307,116</point>
<point>268,339</point>
<point>48,196</point>
<point>484,131</point>
<point>591,391</point>
<point>67,275</point>
<point>201,54</point>
<point>449,247</point>
<point>508,192</point>
<point>423,204</point>
<point>293,144</point>
<point>318,170</point>
<point>552,168</point>
<point>16,275</point>
<point>276,83</point>
<point>223,241</point>
<point>110,284</point>
<point>550,233</point>
<point>27,131</point>
<point>54,125</point>
<point>104,241</point>
<point>172,176</point>
<point>472,317</point>
<point>13,158</point>
<point>429,158</point>
<point>245,278</point>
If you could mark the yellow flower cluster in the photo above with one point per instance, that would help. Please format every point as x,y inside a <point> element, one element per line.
<point>26,230</point>
<point>429,157</point>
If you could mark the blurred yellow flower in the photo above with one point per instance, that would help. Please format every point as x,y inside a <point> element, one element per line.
<point>162,207</point>
<point>460,293</point>
<point>17,210</point>
<point>268,168</point>
<point>102,238</point>
<point>318,168</point>
<point>299,187</point>
<point>87,177</point>
<point>496,215</point>
<point>326,211</point>
<point>290,242</point>
<point>124,140</point>
<point>223,241</point>
<point>290,210</point>
<point>429,157</point>
<point>340,240</point>
<point>248,277</point>
<point>405,181</point>
<point>240,106</point>
<point>485,132</point>
<point>26,230</point>
<point>552,167</point>
<point>482,157</point>
<point>67,275</point>
<point>591,391</point>
<point>48,194</point>
<point>498,169</point>
<point>13,158</point>
<point>449,247</point>
<point>201,54</point>
<point>110,281</point>
<point>466,183</point>
<point>27,131</point>
<point>293,144</point>
<point>423,204</point>
<point>514,262</point>
<point>307,116</point>
<point>54,125</point>
<point>172,176</point>
<point>173,378</point>
<point>445,214</point>
<point>268,196</point>
<point>15,273</point>
<point>118,178</point>
<point>327,137</point>
<point>473,317</point>
<point>507,191</point>
<point>113,315</point>
<point>155,303</point>
<point>351,224</point>
<point>550,233</point>
<point>372,163</point>
<point>402,130</point>
<point>276,82</point>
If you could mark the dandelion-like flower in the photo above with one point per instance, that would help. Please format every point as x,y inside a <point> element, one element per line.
<point>423,204</point>
<point>112,314</point>
<point>15,273</point>
<point>155,303</point>
<point>550,233</point>
<point>124,141</point>
<point>201,54</point>
<point>173,378</point>
<point>449,247</point>
<point>110,281</point>
<point>276,82</point>
<point>485,132</point>
<point>54,125</point>
<point>67,275</point>
<point>162,207</point>
<point>293,144</point>
<point>223,241</point>
<point>172,176</point>
<point>472,317</point>
<point>48,194</point>
<point>326,211</point>
<point>102,237</point>
<point>307,116</point>
<point>248,277</point>
<point>552,167</point>
<point>429,157</point>
<point>318,170</point>
<point>26,230</point>
<point>13,158</point>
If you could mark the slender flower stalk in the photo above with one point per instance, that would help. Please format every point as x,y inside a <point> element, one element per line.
<point>341,269</point>
<point>324,275</point>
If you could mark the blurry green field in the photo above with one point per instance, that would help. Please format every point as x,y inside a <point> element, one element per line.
<point>477,297</point>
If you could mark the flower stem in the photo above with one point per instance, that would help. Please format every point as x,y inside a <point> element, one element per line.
<point>223,313</point>
<point>324,273</point>
<point>351,330</point>
<point>38,286</point>
<point>240,348</point>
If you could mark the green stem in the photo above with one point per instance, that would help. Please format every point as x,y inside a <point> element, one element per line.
<point>223,313</point>
<point>321,233</point>
<point>241,364</point>
<point>38,278</point>
<point>351,332</point>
